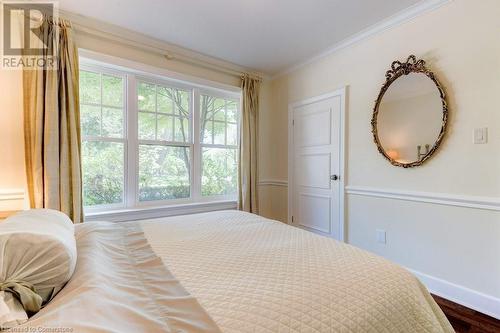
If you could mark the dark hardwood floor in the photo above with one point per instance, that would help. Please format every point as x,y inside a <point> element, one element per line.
<point>465,320</point>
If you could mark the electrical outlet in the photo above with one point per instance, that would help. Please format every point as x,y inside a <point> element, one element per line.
<point>381,236</point>
<point>480,135</point>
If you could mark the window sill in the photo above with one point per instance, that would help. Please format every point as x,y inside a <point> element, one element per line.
<point>123,215</point>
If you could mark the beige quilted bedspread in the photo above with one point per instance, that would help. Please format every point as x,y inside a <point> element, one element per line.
<point>256,275</point>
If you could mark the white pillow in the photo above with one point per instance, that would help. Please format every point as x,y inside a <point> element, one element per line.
<point>37,252</point>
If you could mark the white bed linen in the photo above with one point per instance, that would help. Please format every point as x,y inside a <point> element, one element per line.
<point>120,286</point>
<point>252,274</point>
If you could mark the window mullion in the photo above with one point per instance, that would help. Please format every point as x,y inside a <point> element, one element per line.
<point>225,122</point>
<point>196,119</point>
<point>173,120</point>
<point>165,143</point>
<point>100,104</point>
<point>103,139</point>
<point>156,112</point>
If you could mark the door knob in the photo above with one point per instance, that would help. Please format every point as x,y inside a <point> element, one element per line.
<point>334,177</point>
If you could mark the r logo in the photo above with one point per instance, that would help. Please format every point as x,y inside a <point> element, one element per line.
<point>21,22</point>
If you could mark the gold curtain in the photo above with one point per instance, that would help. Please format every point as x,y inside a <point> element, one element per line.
<point>248,145</point>
<point>52,125</point>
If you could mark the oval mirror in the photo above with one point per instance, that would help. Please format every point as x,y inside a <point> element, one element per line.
<point>410,115</point>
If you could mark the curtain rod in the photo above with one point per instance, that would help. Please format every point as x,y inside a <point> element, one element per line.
<point>167,54</point>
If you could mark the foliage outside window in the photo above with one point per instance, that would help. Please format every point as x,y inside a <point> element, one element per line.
<point>147,141</point>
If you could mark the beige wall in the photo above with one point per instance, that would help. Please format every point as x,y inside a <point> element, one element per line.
<point>11,139</point>
<point>272,155</point>
<point>459,41</point>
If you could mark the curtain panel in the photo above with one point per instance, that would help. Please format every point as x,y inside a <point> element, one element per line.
<point>52,124</point>
<point>248,145</point>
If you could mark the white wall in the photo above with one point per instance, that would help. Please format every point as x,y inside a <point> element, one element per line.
<point>459,41</point>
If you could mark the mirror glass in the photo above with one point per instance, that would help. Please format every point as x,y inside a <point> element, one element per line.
<point>410,118</point>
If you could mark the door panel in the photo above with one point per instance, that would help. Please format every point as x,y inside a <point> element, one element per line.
<point>315,212</point>
<point>315,121</point>
<point>314,170</point>
<point>316,147</point>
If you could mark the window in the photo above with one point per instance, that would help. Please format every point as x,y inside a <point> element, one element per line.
<point>150,141</point>
<point>165,142</point>
<point>103,138</point>
<point>219,141</point>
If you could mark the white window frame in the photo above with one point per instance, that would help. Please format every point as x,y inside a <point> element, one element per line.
<point>138,142</point>
<point>123,140</point>
<point>204,145</point>
<point>131,141</point>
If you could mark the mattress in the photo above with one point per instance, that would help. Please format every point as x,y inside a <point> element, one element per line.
<point>253,274</point>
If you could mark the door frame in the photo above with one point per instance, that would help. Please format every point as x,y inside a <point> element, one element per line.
<point>342,93</point>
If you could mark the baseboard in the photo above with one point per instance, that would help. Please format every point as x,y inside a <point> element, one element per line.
<point>483,303</point>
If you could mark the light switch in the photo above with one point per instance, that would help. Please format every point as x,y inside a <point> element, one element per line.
<point>381,236</point>
<point>480,135</point>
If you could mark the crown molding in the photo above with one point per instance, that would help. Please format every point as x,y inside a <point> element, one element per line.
<point>92,58</point>
<point>103,30</point>
<point>393,21</point>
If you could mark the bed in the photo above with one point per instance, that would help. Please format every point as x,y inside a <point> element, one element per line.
<point>231,271</point>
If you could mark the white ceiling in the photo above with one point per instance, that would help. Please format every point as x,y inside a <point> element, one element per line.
<point>264,35</point>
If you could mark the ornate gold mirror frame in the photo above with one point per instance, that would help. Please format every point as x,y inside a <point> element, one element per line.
<point>398,69</point>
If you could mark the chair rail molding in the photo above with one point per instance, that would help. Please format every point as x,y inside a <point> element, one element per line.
<point>467,201</point>
<point>12,200</point>
<point>273,182</point>
<point>11,194</point>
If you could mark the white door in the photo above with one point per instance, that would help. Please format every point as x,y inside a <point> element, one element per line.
<point>317,196</point>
